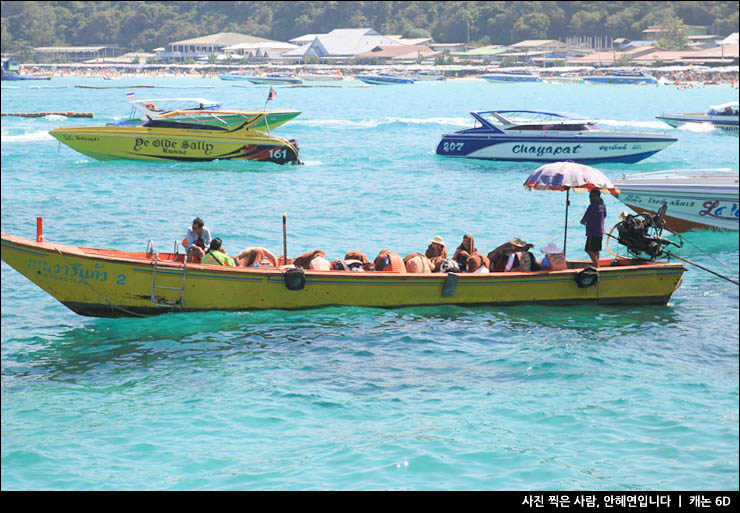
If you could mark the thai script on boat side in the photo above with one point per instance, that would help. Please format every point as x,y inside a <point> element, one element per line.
<point>84,138</point>
<point>175,147</point>
<point>715,209</point>
<point>72,272</point>
<point>636,198</point>
<point>546,150</point>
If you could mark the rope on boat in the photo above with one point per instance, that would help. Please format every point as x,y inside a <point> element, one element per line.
<point>670,254</point>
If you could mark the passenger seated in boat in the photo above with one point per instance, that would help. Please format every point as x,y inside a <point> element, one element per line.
<point>304,260</point>
<point>197,240</point>
<point>216,255</point>
<point>463,251</point>
<point>350,265</point>
<point>436,252</point>
<point>477,263</point>
<point>255,257</point>
<point>389,262</point>
<point>357,255</point>
<point>417,263</point>
<point>506,257</point>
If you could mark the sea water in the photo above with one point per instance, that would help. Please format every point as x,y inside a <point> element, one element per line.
<point>495,398</point>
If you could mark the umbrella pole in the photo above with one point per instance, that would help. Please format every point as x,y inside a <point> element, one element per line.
<point>567,203</point>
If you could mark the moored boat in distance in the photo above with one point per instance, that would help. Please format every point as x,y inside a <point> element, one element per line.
<point>623,77</point>
<point>204,112</point>
<point>172,140</point>
<point>384,79</point>
<point>701,199</point>
<point>544,136</point>
<point>512,76</point>
<point>113,283</point>
<point>321,77</point>
<point>275,80</point>
<point>724,117</point>
<point>235,76</point>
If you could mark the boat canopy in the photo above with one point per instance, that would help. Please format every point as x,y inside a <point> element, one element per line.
<point>732,105</point>
<point>170,104</point>
<point>489,118</point>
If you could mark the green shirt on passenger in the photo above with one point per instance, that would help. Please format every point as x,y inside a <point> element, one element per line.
<point>218,257</point>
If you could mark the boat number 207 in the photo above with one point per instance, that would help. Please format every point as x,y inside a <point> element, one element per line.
<point>452,146</point>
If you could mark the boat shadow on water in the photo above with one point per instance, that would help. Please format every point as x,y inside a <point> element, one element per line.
<point>187,334</point>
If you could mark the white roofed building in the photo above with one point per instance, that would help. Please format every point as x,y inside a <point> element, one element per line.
<point>340,44</point>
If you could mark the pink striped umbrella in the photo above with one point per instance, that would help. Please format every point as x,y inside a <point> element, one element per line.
<point>564,176</point>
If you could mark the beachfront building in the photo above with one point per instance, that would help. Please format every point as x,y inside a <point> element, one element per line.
<point>540,52</point>
<point>396,54</point>
<point>65,54</point>
<point>201,48</point>
<point>338,45</point>
<point>258,52</point>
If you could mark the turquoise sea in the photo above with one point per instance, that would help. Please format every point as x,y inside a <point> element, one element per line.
<point>505,398</point>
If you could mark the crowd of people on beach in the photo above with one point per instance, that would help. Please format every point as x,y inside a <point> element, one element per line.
<point>514,255</point>
<point>696,76</point>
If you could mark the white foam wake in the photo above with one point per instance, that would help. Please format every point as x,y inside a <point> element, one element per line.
<point>39,135</point>
<point>373,123</point>
<point>658,125</point>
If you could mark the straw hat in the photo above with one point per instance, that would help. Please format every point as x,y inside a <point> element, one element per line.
<point>516,241</point>
<point>551,248</point>
<point>438,240</point>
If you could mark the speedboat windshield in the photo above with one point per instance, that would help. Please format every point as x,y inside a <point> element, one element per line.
<point>534,120</point>
<point>161,105</point>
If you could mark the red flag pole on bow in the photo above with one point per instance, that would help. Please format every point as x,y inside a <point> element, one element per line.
<point>272,94</point>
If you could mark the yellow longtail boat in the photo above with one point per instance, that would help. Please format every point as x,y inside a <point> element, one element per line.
<point>111,283</point>
<point>173,140</point>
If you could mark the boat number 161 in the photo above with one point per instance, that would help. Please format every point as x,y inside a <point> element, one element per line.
<point>452,146</point>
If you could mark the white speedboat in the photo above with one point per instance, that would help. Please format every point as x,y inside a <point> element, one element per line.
<point>384,79</point>
<point>512,76</point>
<point>723,116</point>
<point>541,136</point>
<point>275,80</point>
<point>702,199</point>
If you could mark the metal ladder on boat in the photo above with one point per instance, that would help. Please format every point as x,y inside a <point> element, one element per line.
<point>161,301</point>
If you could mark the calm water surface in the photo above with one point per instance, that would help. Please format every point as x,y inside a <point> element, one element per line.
<point>625,398</point>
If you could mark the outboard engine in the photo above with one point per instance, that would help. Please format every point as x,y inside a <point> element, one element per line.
<point>641,233</point>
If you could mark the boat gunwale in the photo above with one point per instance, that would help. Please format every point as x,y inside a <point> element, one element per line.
<point>132,258</point>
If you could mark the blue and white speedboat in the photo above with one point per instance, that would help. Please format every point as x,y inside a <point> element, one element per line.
<point>540,136</point>
<point>383,79</point>
<point>723,116</point>
<point>512,76</point>
<point>623,77</point>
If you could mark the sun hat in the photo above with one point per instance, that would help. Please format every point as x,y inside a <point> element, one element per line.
<point>551,248</point>
<point>438,240</point>
<point>516,241</point>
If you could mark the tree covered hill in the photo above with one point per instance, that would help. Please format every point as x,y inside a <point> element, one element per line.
<point>144,25</point>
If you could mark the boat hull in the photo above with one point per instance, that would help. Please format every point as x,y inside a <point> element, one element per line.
<point>726,123</point>
<point>697,207</point>
<point>109,283</point>
<point>621,80</point>
<point>145,143</point>
<point>383,80</point>
<point>275,80</point>
<point>582,148</point>
<point>511,78</point>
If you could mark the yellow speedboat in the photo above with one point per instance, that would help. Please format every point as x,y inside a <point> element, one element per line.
<point>173,140</point>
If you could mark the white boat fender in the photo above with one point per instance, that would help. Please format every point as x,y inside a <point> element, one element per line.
<point>295,279</point>
<point>587,278</point>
